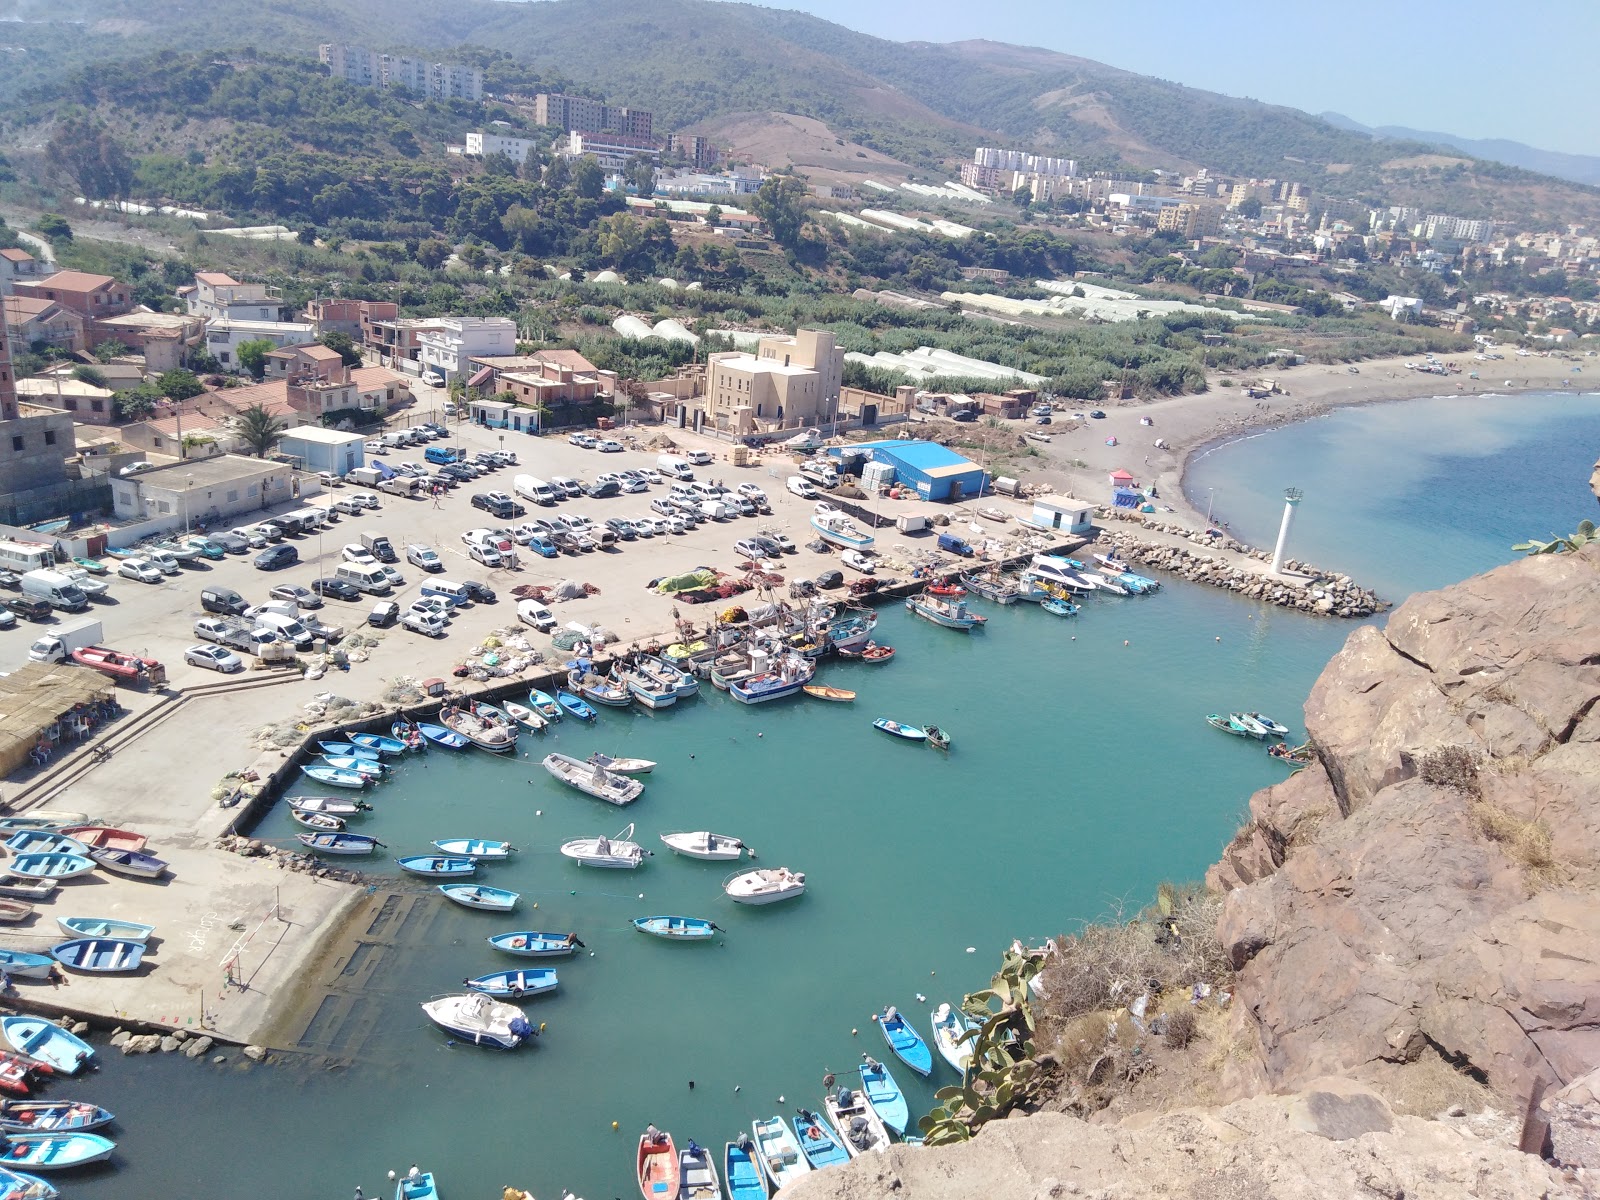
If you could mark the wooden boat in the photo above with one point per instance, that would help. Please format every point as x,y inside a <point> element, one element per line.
<point>681,929</point>
<point>764,886</point>
<point>911,733</point>
<point>544,704</point>
<point>1275,728</point>
<point>43,841</point>
<point>416,1185</point>
<point>741,1172</point>
<point>370,767</point>
<point>994,589</point>
<point>437,865</point>
<point>998,515</point>
<point>949,1027</point>
<point>323,822</point>
<point>334,777</point>
<point>599,690</point>
<point>55,1151</point>
<point>105,836</point>
<point>786,678</point>
<point>376,741</point>
<point>870,653</point>
<point>475,895</point>
<point>575,706</point>
<point>474,1017</point>
<point>778,1152</point>
<point>817,1140</point>
<point>24,887</point>
<point>1299,755</point>
<point>47,1042</point>
<point>142,866</point>
<point>493,712</point>
<point>44,818</point>
<point>21,965</point>
<point>440,736</point>
<point>409,733</point>
<point>334,806</point>
<point>13,912</point>
<point>697,1174</point>
<point>533,944</point>
<point>525,716</point>
<point>884,1094</point>
<point>51,866</point>
<point>644,687</point>
<point>592,780</point>
<point>105,927</point>
<point>618,853</point>
<point>946,590</point>
<point>1227,725</point>
<point>905,1041</point>
<point>349,844</point>
<point>51,1116</point>
<point>657,1166</point>
<point>92,565</point>
<point>332,750</point>
<point>819,692</point>
<point>514,984</point>
<point>937,738</point>
<point>1060,607</point>
<point>710,847</point>
<point>623,766</point>
<point>475,848</point>
<point>861,1131</point>
<point>952,614</point>
<point>99,956</point>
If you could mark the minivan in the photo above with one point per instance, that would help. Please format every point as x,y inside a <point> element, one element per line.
<point>699,458</point>
<point>446,589</point>
<point>441,455</point>
<point>55,589</point>
<point>369,577</point>
<point>222,600</point>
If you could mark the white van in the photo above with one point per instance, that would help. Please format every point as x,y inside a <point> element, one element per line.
<point>287,628</point>
<point>675,466</point>
<point>531,612</point>
<point>55,589</point>
<point>699,458</point>
<point>162,561</point>
<point>368,578</point>
<point>536,490</point>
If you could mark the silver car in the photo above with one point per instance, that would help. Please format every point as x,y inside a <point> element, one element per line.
<point>214,658</point>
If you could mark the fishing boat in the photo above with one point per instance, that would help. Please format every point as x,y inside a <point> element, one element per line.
<point>104,835</point>
<point>544,704</point>
<point>1227,725</point>
<point>47,1042</point>
<point>334,806</point>
<point>474,1017</point>
<point>592,780</point>
<point>861,1131</point>
<point>820,1145</point>
<point>1299,755</point>
<point>416,1185</point>
<point>485,732</point>
<point>139,865</point>
<point>43,841</point>
<point>323,822</point>
<point>778,1152</point>
<point>1275,728</point>
<point>409,733</point>
<point>623,766</point>
<point>852,631</point>
<point>884,1094</point>
<point>993,588</point>
<point>870,653</point>
<point>475,895</point>
<point>949,1026</point>
<point>525,716</point>
<point>741,1172</point>
<point>493,712</point>
<point>785,678</point>
<point>370,767</point>
<point>682,681</point>
<point>20,965</point>
<point>597,689</point>
<point>533,944</point>
<point>51,1116</point>
<point>50,866</point>
<point>515,983</point>
<point>437,865</point>
<point>25,887</point>
<point>697,1174</point>
<point>911,733</point>
<point>347,750</point>
<point>952,614</point>
<point>55,1151</point>
<point>858,561</point>
<point>105,927</point>
<point>377,741</point>
<point>13,912</point>
<point>618,853</point>
<point>440,736</point>
<point>937,738</point>
<point>648,690</point>
<point>998,515</point>
<point>657,1166</point>
<point>477,848</point>
<point>818,692</point>
<point>905,1041</point>
<point>764,886</point>
<point>99,956</point>
<point>339,843</point>
<point>840,530</point>
<point>44,818</point>
<point>678,929</point>
<point>711,847</point>
<point>1060,607</point>
<point>575,706</point>
<point>334,777</point>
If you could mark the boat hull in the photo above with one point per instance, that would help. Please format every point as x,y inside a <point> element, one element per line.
<point>99,956</point>
<point>472,896</point>
<point>680,929</point>
<point>82,927</point>
<point>534,944</point>
<point>437,866</point>
<point>906,1043</point>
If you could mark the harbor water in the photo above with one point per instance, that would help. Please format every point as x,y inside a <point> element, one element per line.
<point>1082,774</point>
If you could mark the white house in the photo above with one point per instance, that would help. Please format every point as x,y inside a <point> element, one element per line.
<point>515,148</point>
<point>224,336</point>
<point>215,295</point>
<point>448,348</point>
<point>1402,308</point>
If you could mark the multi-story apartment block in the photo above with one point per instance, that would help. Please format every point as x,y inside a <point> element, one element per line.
<point>1191,220</point>
<point>984,179</point>
<point>515,148</point>
<point>698,150</point>
<point>611,150</point>
<point>434,80</point>
<point>591,116</point>
<point>351,317</point>
<point>1021,160</point>
<point>215,295</point>
<point>454,341</point>
<point>787,381</point>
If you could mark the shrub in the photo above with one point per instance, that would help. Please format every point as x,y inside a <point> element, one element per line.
<point>1452,767</point>
<point>1180,1029</point>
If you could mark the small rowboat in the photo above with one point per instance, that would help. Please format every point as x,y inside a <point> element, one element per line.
<point>339,843</point>
<point>681,929</point>
<point>24,887</point>
<point>1060,607</point>
<point>439,866</point>
<point>998,515</point>
<point>334,777</point>
<point>710,847</point>
<point>1251,726</point>
<point>816,690</point>
<point>778,1152</point>
<point>331,750</point>
<point>871,653</point>
<point>658,1167</point>
<point>473,895</point>
<point>416,1185</point>
<point>51,1116</point>
<point>937,738</point>
<point>861,1130</point>
<point>740,1171</point>
<point>105,927</point>
<point>544,704</point>
<point>42,841</point>
<point>910,733</point>
<point>44,818</point>
<point>51,866</point>
<point>361,766</point>
<point>47,1042</point>
<point>951,591</point>
<point>99,956</point>
<point>1275,728</point>
<point>110,839</point>
<point>592,780</point>
<point>324,822</point>
<point>14,911</point>
<point>884,1095</point>
<point>623,766</point>
<point>575,706</point>
<point>1227,725</point>
<point>525,717</point>
<point>140,866</point>
<point>905,1041</point>
<point>376,741</point>
<point>20,965</point>
<point>532,944</point>
<point>475,848</point>
<point>818,1142</point>
<point>949,1027</point>
<point>698,1174</point>
<point>598,689</point>
<point>409,735</point>
<point>54,1151</point>
<point>334,806</point>
<point>1299,755</point>
<point>440,736</point>
<point>514,984</point>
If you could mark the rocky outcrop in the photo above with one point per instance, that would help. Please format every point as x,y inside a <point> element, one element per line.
<point>1380,903</point>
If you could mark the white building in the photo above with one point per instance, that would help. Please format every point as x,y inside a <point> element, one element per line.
<point>515,148</point>
<point>206,490</point>
<point>217,295</point>
<point>448,348</point>
<point>368,68</point>
<point>320,449</point>
<point>1021,160</point>
<point>1402,308</point>
<point>224,336</point>
<point>611,150</point>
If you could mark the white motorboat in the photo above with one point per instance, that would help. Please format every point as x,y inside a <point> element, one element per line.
<point>839,529</point>
<point>592,780</point>
<point>860,1128</point>
<point>712,847</point>
<point>623,766</point>
<point>618,853</point>
<point>476,1018</point>
<point>949,1027</point>
<point>766,885</point>
<point>858,561</point>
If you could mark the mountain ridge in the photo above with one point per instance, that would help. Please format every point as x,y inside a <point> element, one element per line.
<point>1575,168</point>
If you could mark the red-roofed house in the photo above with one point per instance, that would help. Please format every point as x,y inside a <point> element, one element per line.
<point>90,296</point>
<point>29,320</point>
<point>14,265</point>
<point>308,361</point>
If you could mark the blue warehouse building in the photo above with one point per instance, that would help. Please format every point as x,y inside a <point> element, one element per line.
<point>933,471</point>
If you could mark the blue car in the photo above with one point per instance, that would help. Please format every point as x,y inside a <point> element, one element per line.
<point>542,545</point>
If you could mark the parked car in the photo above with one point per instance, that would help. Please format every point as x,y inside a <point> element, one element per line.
<point>482,593</point>
<point>393,576</point>
<point>337,588</point>
<point>135,468</point>
<point>357,553</point>
<point>31,607</point>
<point>531,612</point>
<point>374,448</point>
<point>349,505</point>
<point>1097,414</point>
<point>437,605</point>
<point>140,569</point>
<point>582,440</point>
<point>274,558</point>
<point>430,624</point>
<point>600,489</point>
<point>608,446</point>
<point>214,658</point>
<point>644,526</point>
<point>383,614</point>
<point>8,619</point>
<point>232,543</point>
<point>750,548</point>
<point>567,485</point>
<point>297,595</point>
<point>780,539</point>
<point>541,545</point>
<point>365,499</point>
<point>253,537</point>
<point>213,629</point>
<point>770,547</point>
<point>622,528</point>
<point>499,504</point>
<point>487,555</point>
<point>425,557</point>
<point>800,487</point>
<point>745,505</point>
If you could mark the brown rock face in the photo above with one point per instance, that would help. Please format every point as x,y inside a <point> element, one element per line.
<point>1373,912</point>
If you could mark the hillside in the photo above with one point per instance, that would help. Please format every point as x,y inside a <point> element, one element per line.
<point>1575,168</point>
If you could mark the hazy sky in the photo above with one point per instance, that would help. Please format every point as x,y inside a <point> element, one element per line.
<point>1467,67</point>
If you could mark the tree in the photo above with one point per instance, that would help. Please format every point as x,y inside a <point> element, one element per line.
<point>253,355</point>
<point>779,204</point>
<point>54,226</point>
<point>91,158</point>
<point>134,404</point>
<point>588,180</point>
<point>258,429</point>
<point>93,376</point>
<point>432,253</point>
<point>179,384</point>
<point>1022,197</point>
<point>345,345</point>
<point>713,216</point>
<point>1250,208</point>
<point>640,175</point>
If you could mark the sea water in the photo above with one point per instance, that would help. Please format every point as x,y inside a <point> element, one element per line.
<point>1081,775</point>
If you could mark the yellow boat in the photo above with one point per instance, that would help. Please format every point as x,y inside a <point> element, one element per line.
<point>828,693</point>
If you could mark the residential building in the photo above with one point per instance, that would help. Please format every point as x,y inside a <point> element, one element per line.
<point>696,150</point>
<point>611,150</point>
<point>397,339</point>
<point>320,449</point>
<point>985,178</point>
<point>1021,160</point>
<point>186,435</point>
<point>310,360</point>
<point>32,322</point>
<point>60,392</point>
<point>548,379</point>
<point>449,348</point>
<point>90,296</point>
<point>207,490</point>
<point>515,148</point>
<point>1265,190</point>
<point>214,296</point>
<point>788,381</point>
<point>36,480</point>
<point>1402,308</point>
<point>581,113</point>
<point>8,383</point>
<point>349,317</point>
<point>165,339</point>
<point>732,184</point>
<point>16,264</point>
<point>225,336</point>
<point>431,80</point>
<point>1190,220</point>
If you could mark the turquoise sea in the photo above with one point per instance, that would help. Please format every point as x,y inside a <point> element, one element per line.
<point>1082,775</point>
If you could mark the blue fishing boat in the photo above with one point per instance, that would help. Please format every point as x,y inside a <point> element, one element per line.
<point>951,613</point>
<point>99,956</point>
<point>531,943</point>
<point>55,1151</point>
<point>818,1142</point>
<point>884,1094</point>
<point>905,1041</point>
<point>911,733</point>
<point>438,865</point>
<point>19,1185</point>
<point>128,931</point>
<point>1060,607</point>
<point>417,1185</point>
<point>440,736</point>
<point>598,689</point>
<point>740,1171</point>
<point>687,929</point>
<point>472,895</point>
<point>21,965</point>
<point>376,741</point>
<point>516,983</point>
<point>129,862</point>
<point>43,841</point>
<point>544,704</point>
<point>347,750</point>
<point>361,766</point>
<point>334,777</point>
<point>339,843</point>
<point>51,1116</point>
<point>475,848</point>
<point>575,706</point>
<point>50,866</point>
<point>47,1042</point>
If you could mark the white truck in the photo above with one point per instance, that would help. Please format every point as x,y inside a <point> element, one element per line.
<point>56,645</point>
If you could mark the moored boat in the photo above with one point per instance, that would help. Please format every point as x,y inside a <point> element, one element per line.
<point>347,750</point>
<point>938,738</point>
<point>334,806</point>
<point>525,716</point>
<point>911,733</point>
<point>766,885</point>
<point>1299,755</point>
<point>1250,725</point>
<point>409,734</point>
<point>884,1094</point>
<point>533,944</point>
<point>378,742</point>
<point>905,1041</point>
<point>105,927</point>
<point>682,929</point>
<point>817,1140</point>
<point>657,1165</point>
<point>99,956</point>
<point>711,847</point>
<point>349,844</point>
<point>1227,725</point>
<point>644,687</point>
<point>55,1151</point>
<point>597,689</point>
<point>993,588</point>
<point>476,1018</point>
<point>740,1171</point>
<point>19,1185</point>
<point>515,983</point>
<point>47,1042</point>
<point>475,895</point>
<point>697,1174</point>
<point>369,767</point>
<point>861,1131</point>
<point>623,766</point>
<point>575,706</point>
<point>870,653</point>
<point>618,853</point>
<point>681,681</point>
<point>778,1152</point>
<point>819,692</point>
<point>416,1185</point>
<point>952,614</point>
<point>484,731</point>
<point>949,1027</point>
<point>51,1116</point>
<point>105,836</point>
<point>478,848</point>
<point>1275,728</point>
<point>323,822</point>
<point>592,780</point>
<point>1060,607</point>
<point>334,777</point>
<point>50,866</point>
<point>544,704</point>
<point>440,736</point>
<point>439,866</point>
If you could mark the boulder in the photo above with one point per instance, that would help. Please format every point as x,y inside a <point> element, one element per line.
<point>197,1047</point>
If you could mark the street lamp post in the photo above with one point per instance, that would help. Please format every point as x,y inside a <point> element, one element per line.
<point>188,484</point>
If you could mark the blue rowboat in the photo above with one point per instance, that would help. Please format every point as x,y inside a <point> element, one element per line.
<point>532,944</point>
<point>440,736</point>
<point>51,1116</point>
<point>884,1094</point>
<point>339,843</point>
<point>911,733</point>
<point>42,841</point>
<point>416,1187</point>
<point>99,956</point>
<point>575,706</point>
<point>128,931</point>
<point>686,929</point>
<point>740,1172</point>
<point>129,862</point>
<point>348,750</point>
<point>1061,608</point>
<point>544,704</point>
<point>438,865</point>
<point>475,848</point>
<point>778,1152</point>
<point>817,1140</point>
<point>514,983</point>
<point>376,741</point>
<point>47,1042</point>
<point>472,895</point>
<point>50,866</point>
<point>20,965</point>
<point>905,1041</point>
<point>362,766</point>
<point>55,1151</point>
<point>19,1185</point>
<point>334,777</point>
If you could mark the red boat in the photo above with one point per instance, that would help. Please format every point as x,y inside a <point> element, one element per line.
<point>105,837</point>
<point>951,590</point>
<point>658,1166</point>
<point>124,668</point>
<point>872,653</point>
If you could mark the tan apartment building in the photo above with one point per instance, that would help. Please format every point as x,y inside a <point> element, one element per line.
<point>1190,220</point>
<point>788,381</point>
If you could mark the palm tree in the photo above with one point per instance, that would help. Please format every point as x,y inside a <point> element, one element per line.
<point>258,429</point>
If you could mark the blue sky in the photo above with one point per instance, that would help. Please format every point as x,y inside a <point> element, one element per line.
<point>1466,67</point>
